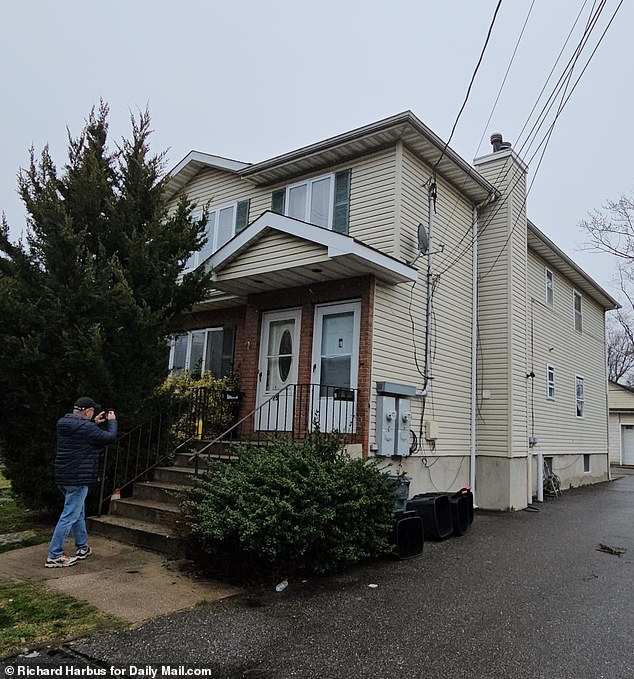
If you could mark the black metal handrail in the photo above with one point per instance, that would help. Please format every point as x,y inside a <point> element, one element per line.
<point>294,411</point>
<point>133,456</point>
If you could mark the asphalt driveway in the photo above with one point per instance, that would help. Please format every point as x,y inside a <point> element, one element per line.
<point>521,595</point>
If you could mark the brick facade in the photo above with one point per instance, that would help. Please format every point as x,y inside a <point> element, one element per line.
<point>248,324</point>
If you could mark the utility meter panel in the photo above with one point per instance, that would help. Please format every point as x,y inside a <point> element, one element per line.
<point>403,425</point>
<point>386,425</point>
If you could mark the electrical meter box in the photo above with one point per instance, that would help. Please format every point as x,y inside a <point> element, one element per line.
<point>393,418</point>
<point>403,426</point>
<point>386,425</point>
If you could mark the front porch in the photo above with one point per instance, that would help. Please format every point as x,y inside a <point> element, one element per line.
<point>146,470</point>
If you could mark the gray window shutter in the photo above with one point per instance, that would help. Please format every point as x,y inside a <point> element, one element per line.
<point>341,207</point>
<point>278,200</point>
<point>242,215</point>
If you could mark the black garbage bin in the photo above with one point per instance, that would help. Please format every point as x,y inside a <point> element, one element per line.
<point>408,534</point>
<point>435,511</point>
<point>460,508</point>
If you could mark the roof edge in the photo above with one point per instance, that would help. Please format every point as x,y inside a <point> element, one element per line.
<point>613,304</point>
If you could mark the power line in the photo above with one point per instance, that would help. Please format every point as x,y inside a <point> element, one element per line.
<point>508,68</point>
<point>548,135</point>
<point>464,103</point>
<point>564,78</point>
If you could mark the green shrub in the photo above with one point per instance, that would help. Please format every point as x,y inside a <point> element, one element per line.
<point>217,413</point>
<point>288,507</point>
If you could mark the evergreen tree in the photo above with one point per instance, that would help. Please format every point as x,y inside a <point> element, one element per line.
<point>86,304</point>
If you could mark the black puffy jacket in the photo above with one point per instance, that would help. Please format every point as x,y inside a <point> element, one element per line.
<point>79,444</point>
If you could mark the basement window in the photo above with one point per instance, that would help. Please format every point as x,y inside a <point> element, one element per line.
<point>586,463</point>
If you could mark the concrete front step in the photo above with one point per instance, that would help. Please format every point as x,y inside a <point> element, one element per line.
<point>182,476</point>
<point>148,511</point>
<point>188,459</point>
<point>159,491</point>
<point>139,533</point>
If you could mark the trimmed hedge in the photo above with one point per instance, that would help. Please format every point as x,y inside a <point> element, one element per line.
<point>288,507</point>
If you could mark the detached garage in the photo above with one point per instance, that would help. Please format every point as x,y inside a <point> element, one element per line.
<point>621,427</point>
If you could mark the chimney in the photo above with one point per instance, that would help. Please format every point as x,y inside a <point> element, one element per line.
<point>498,143</point>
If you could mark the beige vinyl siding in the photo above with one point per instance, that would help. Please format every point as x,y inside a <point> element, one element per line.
<point>372,200</point>
<point>572,353</point>
<point>273,252</point>
<point>520,328</point>
<point>217,187</point>
<point>448,402</point>
<point>614,433</point>
<point>502,316</point>
<point>619,398</point>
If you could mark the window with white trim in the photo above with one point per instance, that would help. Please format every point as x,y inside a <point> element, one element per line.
<point>579,396</point>
<point>201,350</point>
<point>323,201</point>
<point>550,382</point>
<point>577,311</point>
<point>550,280</point>
<point>223,223</point>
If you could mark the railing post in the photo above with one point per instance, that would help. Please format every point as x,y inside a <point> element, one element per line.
<point>103,479</point>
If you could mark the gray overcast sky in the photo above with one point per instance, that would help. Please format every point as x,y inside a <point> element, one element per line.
<point>250,80</point>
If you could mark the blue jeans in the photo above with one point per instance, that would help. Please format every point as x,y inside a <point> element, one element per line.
<point>72,518</point>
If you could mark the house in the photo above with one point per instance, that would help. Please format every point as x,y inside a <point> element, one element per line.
<point>377,284</point>
<point>621,424</point>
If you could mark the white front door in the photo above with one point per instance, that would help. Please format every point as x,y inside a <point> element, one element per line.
<point>335,366</point>
<point>279,352</point>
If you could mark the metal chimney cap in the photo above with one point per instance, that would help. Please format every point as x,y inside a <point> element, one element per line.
<point>496,141</point>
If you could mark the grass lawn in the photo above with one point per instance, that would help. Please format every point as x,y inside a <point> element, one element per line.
<point>31,614</point>
<point>14,519</point>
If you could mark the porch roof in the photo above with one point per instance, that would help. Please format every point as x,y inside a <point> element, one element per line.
<point>318,255</point>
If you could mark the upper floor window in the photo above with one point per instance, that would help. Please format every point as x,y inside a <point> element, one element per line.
<point>579,396</point>
<point>223,223</point>
<point>202,350</point>
<point>322,201</point>
<point>576,302</point>
<point>550,279</point>
<point>550,382</point>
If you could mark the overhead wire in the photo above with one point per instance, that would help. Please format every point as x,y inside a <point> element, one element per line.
<point>546,139</point>
<point>563,81</point>
<point>503,173</point>
<point>464,103</point>
<point>508,69</point>
<point>539,96</point>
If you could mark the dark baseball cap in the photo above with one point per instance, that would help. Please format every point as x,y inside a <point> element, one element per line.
<point>86,402</point>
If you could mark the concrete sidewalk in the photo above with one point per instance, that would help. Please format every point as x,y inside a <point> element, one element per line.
<point>130,583</point>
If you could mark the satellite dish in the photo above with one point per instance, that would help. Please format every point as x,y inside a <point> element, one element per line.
<point>423,239</point>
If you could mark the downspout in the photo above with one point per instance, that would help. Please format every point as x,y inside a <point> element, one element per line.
<point>474,341</point>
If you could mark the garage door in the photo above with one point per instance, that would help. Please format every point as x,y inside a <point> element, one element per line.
<point>627,443</point>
